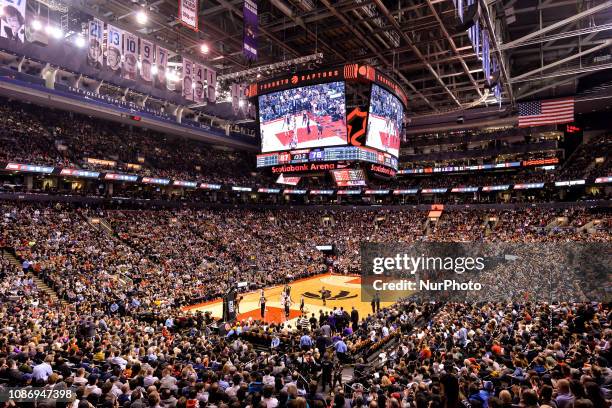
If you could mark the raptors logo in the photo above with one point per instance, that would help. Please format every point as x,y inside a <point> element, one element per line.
<point>294,79</point>
<point>343,294</point>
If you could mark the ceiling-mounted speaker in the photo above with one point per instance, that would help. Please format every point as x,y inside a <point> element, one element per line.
<point>470,17</point>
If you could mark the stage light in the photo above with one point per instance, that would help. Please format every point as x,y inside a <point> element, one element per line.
<point>258,75</point>
<point>241,103</point>
<point>141,17</point>
<point>139,64</point>
<point>154,69</point>
<point>36,25</point>
<point>204,48</point>
<point>55,32</point>
<point>79,41</point>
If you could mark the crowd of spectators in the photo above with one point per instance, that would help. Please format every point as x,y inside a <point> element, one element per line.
<point>119,336</point>
<point>70,140</point>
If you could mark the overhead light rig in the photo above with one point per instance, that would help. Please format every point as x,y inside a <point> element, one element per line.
<point>271,69</point>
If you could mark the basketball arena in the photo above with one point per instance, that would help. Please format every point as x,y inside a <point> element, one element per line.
<point>305,204</point>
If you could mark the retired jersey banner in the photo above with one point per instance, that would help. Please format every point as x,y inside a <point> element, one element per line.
<point>250,29</point>
<point>211,79</point>
<point>188,13</point>
<point>13,19</point>
<point>187,79</point>
<point>199,80</point>
<point>114,48</point>
<point>147,51</point>
<point>94,52</point>
<point>161,62</point>
<point>130,51</point>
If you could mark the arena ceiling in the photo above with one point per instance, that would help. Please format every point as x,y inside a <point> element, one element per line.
<point>548,47</point>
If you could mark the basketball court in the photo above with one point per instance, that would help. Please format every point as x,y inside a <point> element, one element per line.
<point>345,292</point>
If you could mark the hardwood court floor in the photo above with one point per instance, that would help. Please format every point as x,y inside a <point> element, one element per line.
<point>345,292</point>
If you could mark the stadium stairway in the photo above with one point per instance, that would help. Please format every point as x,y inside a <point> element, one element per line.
<point>556,223</point>
<point>590,226</point>
<point>42,286</point>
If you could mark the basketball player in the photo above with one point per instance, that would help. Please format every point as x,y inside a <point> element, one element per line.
<point>262,305</point>
<point>287,303</point>
<point>294,140</point>
<point>319,130</point>
<point>324,295</point>
<point>305,118</point>
<point>238,305</point>
<point>287,121</point>
<point>302,304</point>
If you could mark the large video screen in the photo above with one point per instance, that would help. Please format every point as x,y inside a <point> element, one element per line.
<point>385,119</point>
<point>349,177</point>
<point>309,116</point>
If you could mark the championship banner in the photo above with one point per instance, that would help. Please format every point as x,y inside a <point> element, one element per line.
<point>212,84</point>
<point>147,51</point>
<point>188,13</point>
<point>161,62</point>
<point>94,51</point>
<point>130,52</point>
<point>13,19</point>
<point>249,34</point>
<point>187,79</point>
<point>114,48</point>
<point>199,79</point>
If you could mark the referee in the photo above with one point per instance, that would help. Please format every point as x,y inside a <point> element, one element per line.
<point>262,304</point>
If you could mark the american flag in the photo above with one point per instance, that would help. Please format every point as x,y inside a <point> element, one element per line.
<point>546,112</point>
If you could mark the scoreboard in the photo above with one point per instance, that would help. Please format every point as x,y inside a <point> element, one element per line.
<point>349,177</point>
<point>327,154</point>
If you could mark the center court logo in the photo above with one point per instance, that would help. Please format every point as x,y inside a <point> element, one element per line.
<point>342,295</point>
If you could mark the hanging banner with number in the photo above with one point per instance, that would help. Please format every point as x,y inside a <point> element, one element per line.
<point>114,47</point>
<point>94,51</point>
<point>211,80</point>
<point>187,79</point>
<point>130,52</point>
<point>199,80</point>
<point>249,40</point>
<point>161,62</point>
<point>147,51</point>
<point>13,21</point>
<point>188,13</point>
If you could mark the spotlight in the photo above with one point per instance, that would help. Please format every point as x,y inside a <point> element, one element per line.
<point>79,41</point>
<point>36,25</point>
<point>141,17</point>
<point>139,64</point>
<point>55,32</point>
<point>241,103</point>
<point>154,69</point>
<point>258,75</point>
<point>204,48</point>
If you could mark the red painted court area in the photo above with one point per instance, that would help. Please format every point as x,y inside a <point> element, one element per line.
<point>273,315</point>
